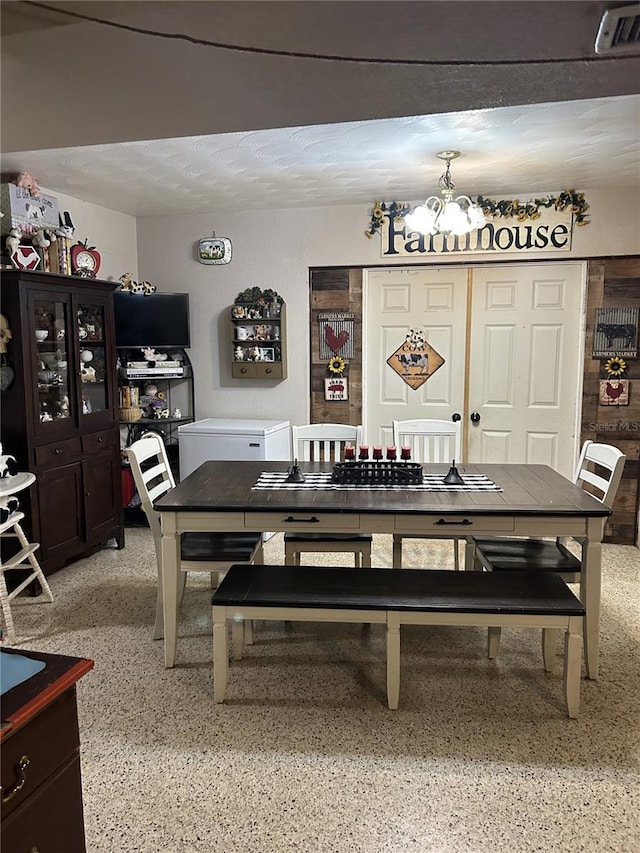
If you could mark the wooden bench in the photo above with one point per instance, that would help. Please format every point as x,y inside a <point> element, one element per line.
<point>396,597</point>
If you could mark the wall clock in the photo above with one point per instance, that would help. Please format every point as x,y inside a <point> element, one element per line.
<point>85,260</point>
<point>214,250</point>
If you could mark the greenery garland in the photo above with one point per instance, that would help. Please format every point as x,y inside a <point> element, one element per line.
<point>506,208</point>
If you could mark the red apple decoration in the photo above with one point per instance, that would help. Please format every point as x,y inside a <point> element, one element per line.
<point>85,260</point>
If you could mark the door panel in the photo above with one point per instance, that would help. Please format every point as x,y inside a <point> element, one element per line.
<point>396,301</point>
<point>525,364</point>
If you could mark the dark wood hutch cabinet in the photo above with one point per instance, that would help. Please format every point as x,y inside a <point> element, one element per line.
<point>60,411</point>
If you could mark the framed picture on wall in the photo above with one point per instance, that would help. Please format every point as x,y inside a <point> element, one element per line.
<point>214,250</point>
<point>336,388</point>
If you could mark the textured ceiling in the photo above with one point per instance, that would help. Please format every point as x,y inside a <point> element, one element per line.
<point>525,150</point>
<point>149,108</point>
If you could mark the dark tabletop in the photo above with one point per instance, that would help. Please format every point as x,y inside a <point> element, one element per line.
<point>526,489</point>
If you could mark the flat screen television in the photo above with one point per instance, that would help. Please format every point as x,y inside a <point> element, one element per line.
<point>156,320</point>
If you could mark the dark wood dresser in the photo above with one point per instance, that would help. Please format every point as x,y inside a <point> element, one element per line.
<point>41,783</point>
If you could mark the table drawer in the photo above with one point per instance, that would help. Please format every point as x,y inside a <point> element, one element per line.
<point>303,522</point>
<point>59,453</point>
<point>446,524</point>
<point>47,741</point>
<point>97,441</point>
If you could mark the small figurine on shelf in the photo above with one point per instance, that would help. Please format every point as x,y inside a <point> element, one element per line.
<point>13,240</point>
<point>66,227</point>
<point>128,285</point>
<point>26,181</point>
<point>42,240</point>
<point>87,373</point>
<point>151,355</point>
<point>239,354</point>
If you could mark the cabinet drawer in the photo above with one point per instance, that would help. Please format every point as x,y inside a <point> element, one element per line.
<point>48,740</point>
<point>243,370</point>
<point>304,522</point>
<point>94,442</point>
<point>51,820</point>
<point>59,453</point>
<point>257,370</point>
<point>269,370</point>
<point>446,524</point>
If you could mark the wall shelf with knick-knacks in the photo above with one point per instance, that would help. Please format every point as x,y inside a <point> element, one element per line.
<point>258,320</point>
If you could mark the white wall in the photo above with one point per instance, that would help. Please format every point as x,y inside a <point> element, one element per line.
<point>275,249</point>
<point>114,234</point>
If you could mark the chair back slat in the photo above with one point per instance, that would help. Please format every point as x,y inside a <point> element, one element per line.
<point>600,467</point>
<point>149,463</point>
<point>430,440</point>
<point>323,442</point>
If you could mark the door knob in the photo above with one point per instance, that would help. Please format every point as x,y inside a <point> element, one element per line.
<point>455,417</point>
<point>475,417</point>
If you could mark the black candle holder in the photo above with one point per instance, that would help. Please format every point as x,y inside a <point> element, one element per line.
<point>453,477</point>
<point>295,474</point>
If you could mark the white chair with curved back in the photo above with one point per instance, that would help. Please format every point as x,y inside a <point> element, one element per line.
<point>430,440</point>
<point>325,442</point>
<point>598,472</point>
<point>203,552</point>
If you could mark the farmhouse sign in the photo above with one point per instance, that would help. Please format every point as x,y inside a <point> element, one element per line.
<point>551,232</point>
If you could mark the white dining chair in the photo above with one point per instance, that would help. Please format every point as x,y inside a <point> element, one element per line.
<point>598,471</point>
<point>325,443</point>
<point>22,554</point>
<point>202,552</point>
<point>430,440</point>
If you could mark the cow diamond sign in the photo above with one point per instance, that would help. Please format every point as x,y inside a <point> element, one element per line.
<point>415,360</point>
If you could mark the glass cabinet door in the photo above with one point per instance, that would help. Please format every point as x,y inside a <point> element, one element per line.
<point>92,353</point>
<point>52,331</point>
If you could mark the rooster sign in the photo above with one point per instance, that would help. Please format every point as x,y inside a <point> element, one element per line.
<point>336,334</point>
<point>614,392</point>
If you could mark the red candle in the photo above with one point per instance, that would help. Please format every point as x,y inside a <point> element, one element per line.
<point>391,452</point>
<point>349,452</point>
<point>364,451</point>
<point>377,452</point>
<point>405,452</point>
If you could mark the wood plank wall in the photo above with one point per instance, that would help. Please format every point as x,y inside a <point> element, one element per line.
<point>614,282</point>
<point>338,289</point>
<point>610,282</point>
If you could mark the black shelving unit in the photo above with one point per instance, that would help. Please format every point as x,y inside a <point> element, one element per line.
<point>174,391</point>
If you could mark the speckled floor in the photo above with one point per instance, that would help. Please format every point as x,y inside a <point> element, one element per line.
<point>305,756</point>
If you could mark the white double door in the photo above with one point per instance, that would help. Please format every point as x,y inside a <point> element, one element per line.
<point>512,342</point>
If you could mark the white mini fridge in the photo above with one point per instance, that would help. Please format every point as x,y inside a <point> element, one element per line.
<point>232,438</point>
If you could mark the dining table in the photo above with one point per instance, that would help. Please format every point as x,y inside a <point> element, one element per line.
<point>495,499</point>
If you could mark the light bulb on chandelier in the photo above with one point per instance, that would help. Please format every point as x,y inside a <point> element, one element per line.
<point>446,215</point>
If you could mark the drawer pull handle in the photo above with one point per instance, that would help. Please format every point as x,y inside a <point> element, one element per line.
<point>465,522</point>
<point>24,762</point>
<point>312,520</point>
<point>100,440</point>
<point>58,451</point>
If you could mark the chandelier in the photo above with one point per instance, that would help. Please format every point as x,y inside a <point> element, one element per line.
<point>446,215</point>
